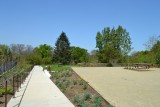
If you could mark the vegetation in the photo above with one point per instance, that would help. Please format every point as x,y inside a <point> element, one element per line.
<point>151,55</point>
<point>62,51</point>
<point>113,44</point>
<point>77,89</point>
<point>79,55</point>
<point>41,55</point>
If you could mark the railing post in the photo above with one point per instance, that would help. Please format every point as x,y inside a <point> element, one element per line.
<point>6,93</point>
<point>17,83</point>
<point>20,81</point>
<point>13,88</point>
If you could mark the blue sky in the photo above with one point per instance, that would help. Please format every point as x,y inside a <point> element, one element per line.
<point>37,22</point>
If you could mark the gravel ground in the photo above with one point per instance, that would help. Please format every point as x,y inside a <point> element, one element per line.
<point>124,88</point>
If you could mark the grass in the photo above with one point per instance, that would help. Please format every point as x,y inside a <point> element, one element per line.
<point>56,67</point>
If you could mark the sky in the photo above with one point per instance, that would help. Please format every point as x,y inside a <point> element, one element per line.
<point>36,22</point>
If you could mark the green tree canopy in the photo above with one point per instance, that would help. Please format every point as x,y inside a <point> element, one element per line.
<point>62,51</point>
<point>41,55</point>
<point>79,55</point>
<point>156,51</point>
<point>112,43</point>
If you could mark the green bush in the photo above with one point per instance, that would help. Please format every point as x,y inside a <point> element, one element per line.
<point>75,82</point>
<point>2,91</point>
<point>87,96</point>
<point>76,99</point>
<point>9,91</point>
<point>68,74</point>
<point>97,102</point>
<point>67,83</point>
<point>47,60</point>
<point>85,85</point>
<point>109,64</point>
<point>56,75</point>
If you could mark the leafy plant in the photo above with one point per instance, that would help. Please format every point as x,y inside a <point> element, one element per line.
<point>76,99</point>
<point>87,96</point>
<point>75,82</point>
<point>67,83</point>
<point>85,86</point>
<point>97,102</point>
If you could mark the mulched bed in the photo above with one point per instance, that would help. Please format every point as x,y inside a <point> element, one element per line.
<point>3,98</point>
<point>78,91</point>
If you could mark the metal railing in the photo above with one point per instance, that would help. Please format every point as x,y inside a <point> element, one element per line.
<point>14,82</point>
<point>6,66</point>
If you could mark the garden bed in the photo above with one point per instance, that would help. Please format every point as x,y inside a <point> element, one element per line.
<point>78,91</point>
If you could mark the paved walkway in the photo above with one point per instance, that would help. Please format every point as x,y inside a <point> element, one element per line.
<point>40,92</point>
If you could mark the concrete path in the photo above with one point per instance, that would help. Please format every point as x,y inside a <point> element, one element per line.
<point>40,92</point>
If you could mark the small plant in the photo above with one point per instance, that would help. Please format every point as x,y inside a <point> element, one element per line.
<point>82,103</point>
<point>9,90</point>
<point>81,82</point>
<point>97,102</point>
<point>75,82</point>
<point>2,91</point>
<point>87,96</point>
<point>76,99</point>
<point>67,83</point>
<point>56,75</point>
<point>85,86</point>
<point>108,106</point>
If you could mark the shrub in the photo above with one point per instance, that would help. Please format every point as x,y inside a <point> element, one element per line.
<point>109,64</point>
<point>87,96</point>
<point>2,91</point>
<point>81,82</point>
<point>85,86</point>
<point>75,82</point>
<point>67,83</point>
<point>9,90</point>
<point>76,99</point>
<point>97,102</point>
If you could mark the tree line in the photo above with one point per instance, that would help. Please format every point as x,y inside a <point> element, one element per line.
<point>62,53</point>
<point>113,46</point>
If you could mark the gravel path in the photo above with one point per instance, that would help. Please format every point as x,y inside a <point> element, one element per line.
<point>124,88</point>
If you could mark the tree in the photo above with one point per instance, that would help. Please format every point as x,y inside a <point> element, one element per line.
<point>156,51</point>
<point>62,51</point>
<point>113,43</point>
<point>41,55</point>
<point>151,42</point>
<point>79,55</point>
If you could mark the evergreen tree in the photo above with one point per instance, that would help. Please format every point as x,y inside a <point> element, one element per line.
<point>62,51</point>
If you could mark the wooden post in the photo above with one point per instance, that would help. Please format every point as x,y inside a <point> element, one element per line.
<point>6,93</point>
<point>13,88</point>
<point>20,81</point>
<point>17,83</point>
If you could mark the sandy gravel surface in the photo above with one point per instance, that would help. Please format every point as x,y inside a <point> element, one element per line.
<point>124,88</point>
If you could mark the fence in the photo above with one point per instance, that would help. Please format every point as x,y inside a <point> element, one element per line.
<point>6,66</point>
<point>11,84</point>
